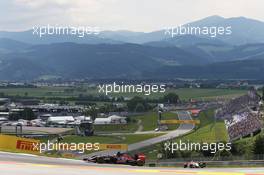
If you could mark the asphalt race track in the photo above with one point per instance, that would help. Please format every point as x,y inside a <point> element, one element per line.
<point>21,164</point>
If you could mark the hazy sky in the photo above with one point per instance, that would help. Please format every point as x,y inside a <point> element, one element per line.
<point>137,15</point>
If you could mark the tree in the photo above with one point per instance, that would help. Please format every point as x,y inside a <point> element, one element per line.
<point>259,145</point>
<point>135,101</point>
<point>63,102</point>
<point>120,99</point>
<point>2,94</point>
<point>93,111</point>
<point>263,93</point>
<point>13,117</point>
<point>28,114</point>
<point>171,98</point>
<point>139,107</point>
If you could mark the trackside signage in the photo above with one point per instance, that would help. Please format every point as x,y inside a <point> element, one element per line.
<point>17,144</point>
<point>195,122</point>
<point>113,147</point>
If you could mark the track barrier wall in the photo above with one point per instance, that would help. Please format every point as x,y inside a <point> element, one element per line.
<point>18,144</point>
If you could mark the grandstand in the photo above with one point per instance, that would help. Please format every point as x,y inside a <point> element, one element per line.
<point>241,115</point>
<point>244,125</point>
<point>239,105</point>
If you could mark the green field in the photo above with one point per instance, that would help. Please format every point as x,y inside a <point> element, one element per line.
<point>188,93</point>
<point>38,92</point>
<point>194,93</point>
<point>149,120</point>
<point>64,92</point>
<point>126,128</point>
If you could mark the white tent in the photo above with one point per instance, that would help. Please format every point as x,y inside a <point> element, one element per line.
<point>81,118</point>
<point>102,121</point>
<point>3,119</point>
<point>113,119</point>
<point>60,119</point>
<point>117,119</point>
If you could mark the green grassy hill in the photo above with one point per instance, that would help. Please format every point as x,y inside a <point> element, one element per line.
<point>149,120</point>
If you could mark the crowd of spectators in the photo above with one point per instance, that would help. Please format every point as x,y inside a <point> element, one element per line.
<point>248,123</point>
<point>241,115</point>
<point>238,105</point>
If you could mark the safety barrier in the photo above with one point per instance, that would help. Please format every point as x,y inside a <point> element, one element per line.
<point>195,122</point>
<point>113,147</point>
<point>18,144</point>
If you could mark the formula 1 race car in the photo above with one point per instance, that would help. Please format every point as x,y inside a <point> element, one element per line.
<point>193,164</point>
<point>119,158</point>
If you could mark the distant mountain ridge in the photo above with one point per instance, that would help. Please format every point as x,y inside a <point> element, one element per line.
<point>29,37</point>
<point>244,31</point>
<point>71,60</point>
<point>137,55</point>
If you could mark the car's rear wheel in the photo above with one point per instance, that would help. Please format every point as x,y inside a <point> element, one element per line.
<point>113,160</point>
<point>140,163</point>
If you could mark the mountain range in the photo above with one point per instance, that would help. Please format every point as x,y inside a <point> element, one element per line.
<point>125,54</point>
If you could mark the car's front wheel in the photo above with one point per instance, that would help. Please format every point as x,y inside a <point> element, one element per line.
<point>100,160</point>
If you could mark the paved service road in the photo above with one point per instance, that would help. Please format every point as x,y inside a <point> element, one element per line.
<point>19,164</point>
<point>182,129</point>
<point>36,130</point>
